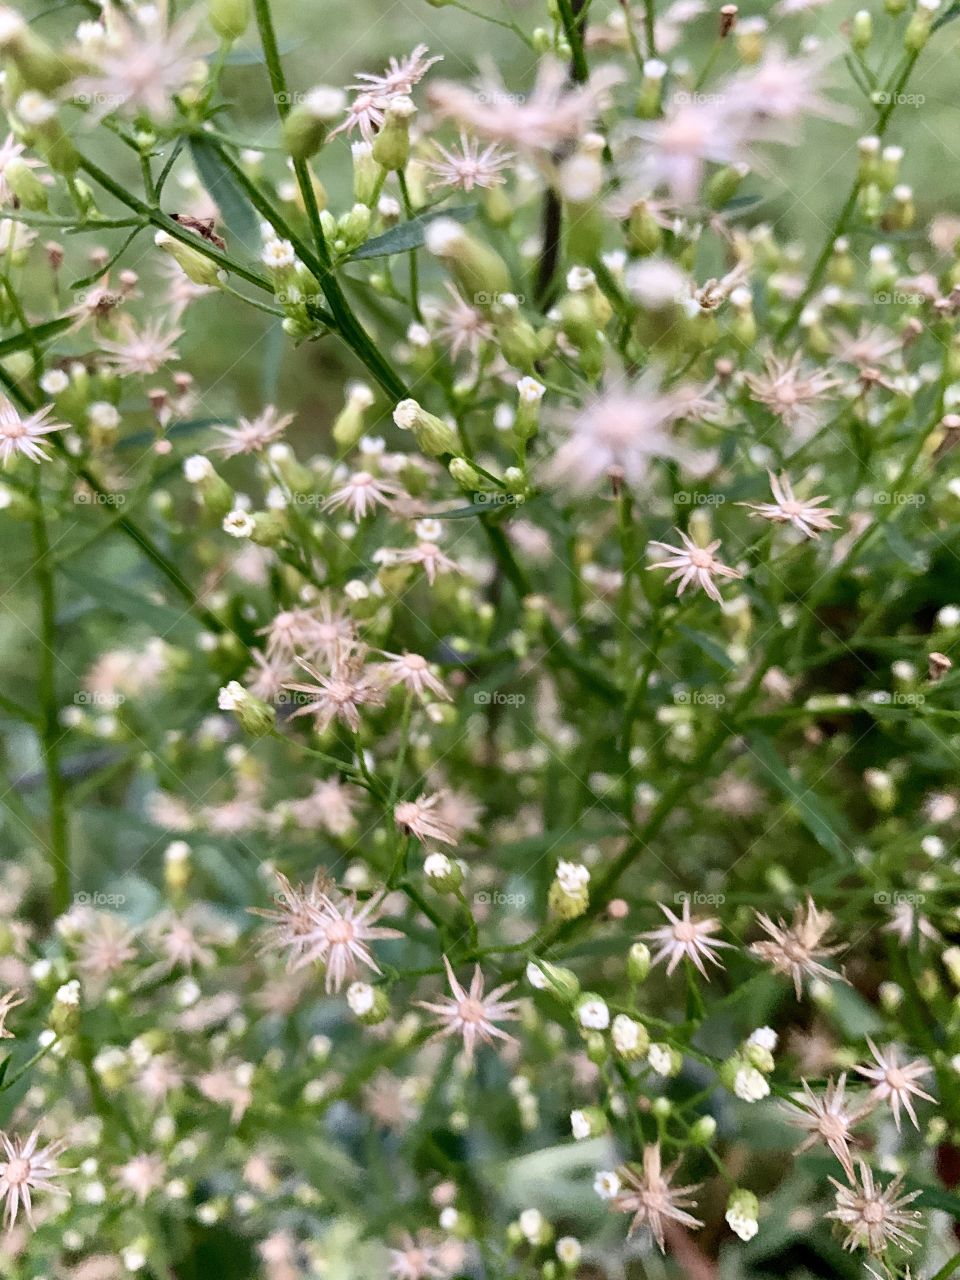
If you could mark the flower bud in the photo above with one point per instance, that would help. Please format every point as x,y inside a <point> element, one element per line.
<point>433,435</point>
<point>43,130</point>
<point>479,272</point>
<point>255,716</point>
<point>305,128</point>
<point>562,984</point>
<point>743,1210</point>
<point>590,1122</point>
<point>38,65</point>
<point>664,1060</point>
<point>920,25</point>
<point>348,426</point>
<point>592,1012</point>
<point>229,18</point>
<point>759,1056</point>
<point>391,146</point>
<point>25,185</point>
<point>644,235</point>
<point>465,476</point>
<point>444,874</point>
<point>861,29</point>
<point>369,1004</point>
<point>638,962</point>
<point>649,98</point>
<point>630,1038</point>
<point>725,184</point>
<point>65,1012</point>
<point>212,490</point>
<point>177,865</point>
<point>195,265</point>
<point>702,1130</point>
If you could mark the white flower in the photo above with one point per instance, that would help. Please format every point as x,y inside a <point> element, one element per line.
<point>765,1037</point>
<point>531,1224</point>
<point>746,1228</point>
<point>69,993</point>
<point>437,866</point>
<point>660,1059</point>
<point>626,1033</point>
<point>231,696</point>
<point>197,468</point>
<point>569,1250</point>
<point>360,998</point>
<point>579,1125</point>
<point>594,1015</point>
<point>606,1184</point>
<point>750,1085</point>
<point>572,877</point>
<point>239,524</point>
<point>535,977</point>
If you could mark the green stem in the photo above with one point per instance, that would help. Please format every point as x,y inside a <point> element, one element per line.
<point>412,256</point>
<point>51,732</point>
<point>348,326</point>
<point>573,30</point>
<point>850,204</point>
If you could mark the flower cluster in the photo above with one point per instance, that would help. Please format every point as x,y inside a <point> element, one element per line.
<point>478,726</point>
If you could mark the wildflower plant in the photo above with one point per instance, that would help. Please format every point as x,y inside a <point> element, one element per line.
<point>479,754</point>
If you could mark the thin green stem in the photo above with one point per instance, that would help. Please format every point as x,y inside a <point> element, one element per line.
<point>412,256</point>
<point>573,23</point>
<point>51,733</point>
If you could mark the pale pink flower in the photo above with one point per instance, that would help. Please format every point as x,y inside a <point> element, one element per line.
<point>673,151</point>
<point>874,1218</point>
<point>106,945</point>
<point>265,678</point>
<point>827,1117</point>
<point>538,122</point>
<point>321,631</point>
<point>140,352</point>
<point>686,936</point>
<point>425,554</point>
<point>469,167</point>
<point>471,1014</point>
<point>766,102</point>
<point>461,327</point>
<point>330,806</point>
<point>252,435</point>
<point>696,564</point>
<point>647,1193</point>
<point>338,696</point>
<point>413,672</point>
<point>895,1082</point>
<point>791,391</point>
<point>342,937</point>
<point>373,93</point>
<point>141,1175</point>
<point>361,493</point>
<point>420,818</point>
<point>805,514</point>
<point>27,1168</point>
<point>619,434</point>
<point>24,436</point>
<point>907,923</point>
<point>415,1261</point>
<point>795,949</point>
<point>230,1087</point>
<point>298,914</point>
<point>141,63</point>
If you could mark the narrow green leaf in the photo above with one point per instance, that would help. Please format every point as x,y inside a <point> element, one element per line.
<point>948,1268</point>
<point>409,235</point>
<point>39,333</point>
<point>100,272</point>
<point>707,645</point>
<point>4,1068</point>
<point>821,819</point>
<point>238,213</point>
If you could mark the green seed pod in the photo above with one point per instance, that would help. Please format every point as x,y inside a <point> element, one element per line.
<point>307,125</point>
<point>479,272</point>
<point>229,18</point>
<point>433,435</point>
<point>195,265</point>
<point>391,147</point>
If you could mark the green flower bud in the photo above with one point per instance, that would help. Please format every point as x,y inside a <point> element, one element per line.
<point>354,227</point>
<point>638,962</point>
<point>596,1048</point>
<point>743,1211</point>
<point>631,1039</point>
<point>44,131</point>
<point>348,426</point>
<point>661,1107</point>
<point>269,528</point>
<point>25,185</point>
<point>214,492</point>
<point>38,65</point>
<point>479,272</point>
<point>306,127</point>
<point>65,1011</point>
<point>759,1057</point>
<point>589,1122</point>
<point>444,874</point>
<point>229,18</point>
<point>433,435</point>
<point>644,235</point>
<point>562,984</point>
<point>369,1004</point>
<point>702,1130</point>
<point>465,476</point>
<point>391,146</point>
<point>195,265</point>
<point>516,336</point>
<point>861,29</point>
<point>725,184</point>
<point>255,716</point>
